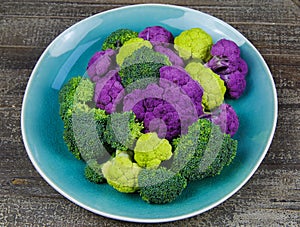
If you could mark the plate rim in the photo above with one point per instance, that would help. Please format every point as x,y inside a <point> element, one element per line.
<point>147,220</point>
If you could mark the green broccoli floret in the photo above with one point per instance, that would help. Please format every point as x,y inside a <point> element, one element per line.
<point>129,47</point>
<point>160,185</point>
<point>82,122</point>
<point>150,150</point>
<point>203,151</point>
<point>86,132</point>
<point>142,64</point>
<point>212,84</point>
<point>194,43</point>
<point>121,173</point>
<point>117,38</point>
<point>122,130</point>
<point>75,90</point>
<point>93,172</point>
<point>66,96</point>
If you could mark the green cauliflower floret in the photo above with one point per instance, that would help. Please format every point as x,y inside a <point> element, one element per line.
<point>121,173</point>
<point>122,130</point>
<point>129,47</point>
<point>194,43</point>
<point>203,151</point>
<point>117,38</point>
<point>213,86</point>
<point>82,122</point>
<point>93,172</point>
<point>160,185</point>
<point>150,150</point>
<point>142,65</point>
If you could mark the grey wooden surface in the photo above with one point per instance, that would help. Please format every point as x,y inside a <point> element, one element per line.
<point>270,198</point>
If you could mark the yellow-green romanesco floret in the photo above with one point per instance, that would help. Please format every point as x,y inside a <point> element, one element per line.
<point>194,43</point>
<point>212,84</point>
<point>150,150</point>
<point>121,173</point>
<point>129,47</point>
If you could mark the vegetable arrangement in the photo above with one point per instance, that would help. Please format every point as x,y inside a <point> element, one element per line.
<point>150,117</point>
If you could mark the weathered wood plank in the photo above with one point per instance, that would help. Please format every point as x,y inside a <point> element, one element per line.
<point>34,31</point>
<point>231,10</point>
<point>19,57</point>
<point>261,194</point>
<point>270,198</point>
<point>31,32</point>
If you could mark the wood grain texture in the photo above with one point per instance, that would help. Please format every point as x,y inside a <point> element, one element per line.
<point>272,195</point>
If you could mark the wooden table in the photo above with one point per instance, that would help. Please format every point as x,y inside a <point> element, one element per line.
<point>270,198</point>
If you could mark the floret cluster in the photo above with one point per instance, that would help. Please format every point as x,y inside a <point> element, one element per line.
<point>149,116</point>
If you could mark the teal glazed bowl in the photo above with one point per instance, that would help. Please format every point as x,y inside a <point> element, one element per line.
<point>68,55</point>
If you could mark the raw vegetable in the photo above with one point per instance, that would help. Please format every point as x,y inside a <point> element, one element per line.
<point>122,173</point>
<point>203,152</point>
<point>142,64</point>
<point>181,78</point>
<point>157,35</point>
<point>151,117</point>
<point>160,185</point>
<point>173,57</point>
<point>163,107</point>
<point>93,172</point>
<point>122,130</point>
<point>117,38</point>
<point>100,63</point>
<point>212,84</point>
<point>129,47</point>
<point>109,92</point>
<point>226,117</point>
<point>194,43</point>
<point>150,150</point>
<point>227,63</point>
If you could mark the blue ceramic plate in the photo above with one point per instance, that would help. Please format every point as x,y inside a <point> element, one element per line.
<point>67,56</point>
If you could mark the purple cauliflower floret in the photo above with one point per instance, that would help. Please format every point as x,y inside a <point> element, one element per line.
<point>226,48</point>
<point>157,35</point>
<point>109,92</point>
<point>226,118</point>
<point>173,57</point>
<point>235,83</point>
<point>164,108</point>
<point>161,117</point>
<point>100,63</point>
<point>227,63</point>
<point>181,78</point>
